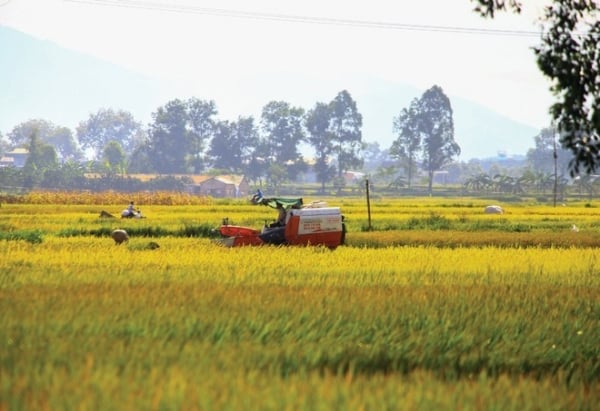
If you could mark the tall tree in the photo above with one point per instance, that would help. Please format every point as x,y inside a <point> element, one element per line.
<point>346,134</point>
<point>541,157</point>
<point>569,56</point>
<point>3,145</point>
<point>63,142</point>
<point>178,134</point>
<point>375,157</point>
<point>436,126</point>
<point>233,143</point>
<point>407,147</point>
<point>140,160</point>
<point>60,138</point>
<point>283,132</point>
<point>317,123</point>
<point>106,125</point>
<point>41,158</point>
<point>259,163</point>
<point>202,124</point>
<point>114,157</point>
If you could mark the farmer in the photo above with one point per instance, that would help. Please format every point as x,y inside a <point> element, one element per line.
<point>130,209</point>
<point>281,217</point>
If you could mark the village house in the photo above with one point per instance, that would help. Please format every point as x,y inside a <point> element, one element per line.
<point>233,186</point>
<point>14,158</point>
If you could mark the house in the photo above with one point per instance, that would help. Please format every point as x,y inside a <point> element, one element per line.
<point>7,161</point>
<point>220,186</point>
<point>234,186</point>
<point>14,158</point>
<point>353,177</point>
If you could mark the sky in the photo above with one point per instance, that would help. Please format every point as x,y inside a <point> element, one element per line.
<point>214,48</point>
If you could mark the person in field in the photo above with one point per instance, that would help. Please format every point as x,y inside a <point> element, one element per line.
<point>281,216</point>
<point>131,212</point>
<point>130,209</point>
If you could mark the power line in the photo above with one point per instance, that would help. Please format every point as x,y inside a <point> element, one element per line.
<point>289,18</point>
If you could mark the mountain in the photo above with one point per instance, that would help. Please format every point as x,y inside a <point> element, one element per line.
<point>44,80</point>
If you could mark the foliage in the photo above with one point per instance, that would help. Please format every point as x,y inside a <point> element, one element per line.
<point>233,143</point>
<point>11,177</point>
<point>436,125</point>
<point>408,144</point>
<point>3,144</point>
<point>282,133</point>
<point>426,133</point>
<point>109,125</point>
<point>60,138</point>
<point>30,236</point>
<point>178,135</point>
<point>489,7</point>
<point>569,56</point>
<point>188,230</point>
<point>67,176</point>
<point>114,157</point>
<point>317,123</point>
<point>346,132</point>
<point>542,157</point>
<point>41,157</point>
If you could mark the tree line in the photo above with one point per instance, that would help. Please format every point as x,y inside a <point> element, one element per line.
<point>186,137</point>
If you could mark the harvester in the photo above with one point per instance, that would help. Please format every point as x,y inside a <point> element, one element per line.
<point>298,224</point>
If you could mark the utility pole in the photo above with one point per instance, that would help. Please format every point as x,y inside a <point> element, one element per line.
<point>555,155</point>
<point>368,203</point>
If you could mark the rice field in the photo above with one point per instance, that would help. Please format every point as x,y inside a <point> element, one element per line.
<point>438,306</point>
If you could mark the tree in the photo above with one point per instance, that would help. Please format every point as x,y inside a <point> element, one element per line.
<point>283,132</point>
<point>178,134</point>
<point>317,123</point>
<point>109,125</point>
<point>60,138</point>
<point>479,182</point>
<point>41,158</point>
<point>233,143</point>
<point>541,157</point>
<point>139,161</point>
<point>68,176</point>
<point>114,157</point>
<point>3,145</point>
<point>202,125</point>
<point>276,175</point>
<point>259,163</point>
<point>436,126</point>
<point>375,157</point>
<point>487,8</point>
<point>63,142</point>
<point>569,56</point>
<point>408,144</point>
<point>346,134</point>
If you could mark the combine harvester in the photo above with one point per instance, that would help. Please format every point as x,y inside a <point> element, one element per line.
<point>313,224</point>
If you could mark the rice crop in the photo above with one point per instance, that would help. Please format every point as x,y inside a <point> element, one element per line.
<point>412,318</point>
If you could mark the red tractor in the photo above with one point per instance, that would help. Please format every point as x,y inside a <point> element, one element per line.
<point>313,224</point>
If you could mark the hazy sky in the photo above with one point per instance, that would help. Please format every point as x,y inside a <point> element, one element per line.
<point>207,48</point>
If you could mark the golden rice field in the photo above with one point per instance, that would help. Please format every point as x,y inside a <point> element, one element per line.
<point>437,307</point>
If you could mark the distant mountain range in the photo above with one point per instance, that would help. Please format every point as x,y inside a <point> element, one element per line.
<point>43,80</point>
